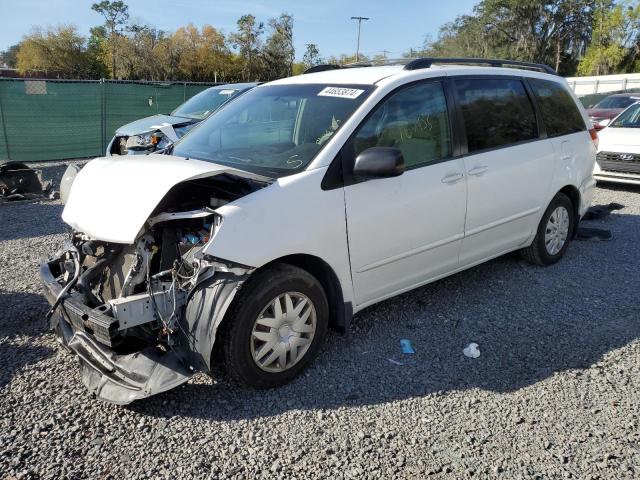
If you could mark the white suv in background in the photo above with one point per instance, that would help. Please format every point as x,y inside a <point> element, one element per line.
<point>304,201</point>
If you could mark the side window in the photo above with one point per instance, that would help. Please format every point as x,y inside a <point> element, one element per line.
<point>496,112</point>
<point>557,108</point>
<point>413,120</point>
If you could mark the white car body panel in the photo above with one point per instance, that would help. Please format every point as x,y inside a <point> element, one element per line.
<point>518,173</point>
<point>112,198</point>
<point>618,140</point>
<point>268,225</point>
<point>408,235</point>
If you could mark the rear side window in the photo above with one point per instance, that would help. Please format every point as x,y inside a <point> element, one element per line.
<point>557,108</point>
<point>496,112</point>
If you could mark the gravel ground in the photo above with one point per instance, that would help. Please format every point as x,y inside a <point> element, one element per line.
<point>554,393</point>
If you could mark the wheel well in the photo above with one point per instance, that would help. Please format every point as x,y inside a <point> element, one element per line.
<point>340,313</point>
<point>574,195</point>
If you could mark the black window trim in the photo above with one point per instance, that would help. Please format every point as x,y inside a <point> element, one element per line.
<point>340,172</point>
<point>541,121</point>
<point>542,134</point>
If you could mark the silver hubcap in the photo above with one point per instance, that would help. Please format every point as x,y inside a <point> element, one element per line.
<point>557,230</point>
<point>283,332</point>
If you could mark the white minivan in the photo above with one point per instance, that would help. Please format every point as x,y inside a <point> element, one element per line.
<point>304,201</point>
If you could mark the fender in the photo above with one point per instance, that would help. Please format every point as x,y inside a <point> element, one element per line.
<point>206,308</point>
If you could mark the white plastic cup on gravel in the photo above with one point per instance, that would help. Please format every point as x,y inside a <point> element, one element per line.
<point>471,350</point>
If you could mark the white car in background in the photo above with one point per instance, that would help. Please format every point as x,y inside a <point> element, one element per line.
<point>304,201</point>
<point>618,158</point>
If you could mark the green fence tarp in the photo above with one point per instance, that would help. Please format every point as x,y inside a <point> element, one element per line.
<point>52,119</point>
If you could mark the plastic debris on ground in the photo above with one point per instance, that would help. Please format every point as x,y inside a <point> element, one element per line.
<point>406,346</point>
<point>471,350</point>
<point>20,182</point>
<point>395,362</point>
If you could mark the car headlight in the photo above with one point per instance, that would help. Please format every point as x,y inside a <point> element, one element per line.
<point>139,142</point>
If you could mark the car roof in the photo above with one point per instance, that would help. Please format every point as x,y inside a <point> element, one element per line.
<point>372,75</point>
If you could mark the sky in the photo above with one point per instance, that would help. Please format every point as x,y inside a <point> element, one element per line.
<point>394,25</point>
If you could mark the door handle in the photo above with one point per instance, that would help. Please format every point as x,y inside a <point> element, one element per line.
<point>453,178</point>
<point>565,157</point>
<point>479,170</point>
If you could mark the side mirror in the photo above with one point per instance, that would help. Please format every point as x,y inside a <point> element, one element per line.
<point>378,162</point>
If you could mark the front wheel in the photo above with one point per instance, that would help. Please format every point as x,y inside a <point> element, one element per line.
<point>275,326</point>
<point>554,232</point>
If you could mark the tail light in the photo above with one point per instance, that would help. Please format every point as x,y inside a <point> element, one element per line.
<point>594,136</point>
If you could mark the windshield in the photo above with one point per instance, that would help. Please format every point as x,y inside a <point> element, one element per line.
<point>273,130</point>
<point>615,102</point>
<point>630,118</point>
<point>202,104</point>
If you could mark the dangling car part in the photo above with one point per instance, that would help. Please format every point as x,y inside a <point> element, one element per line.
<point>18,181</point>
<point>120,303</point>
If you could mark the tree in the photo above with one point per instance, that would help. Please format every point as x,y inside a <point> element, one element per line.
<point>616,31</point>
<point>203,55</point>
<point>59,50</point>
<point>554,32</point>
<point>98,53</point>
<point>247,41</point>
<point>10,56</point>
<point>116,14</point>
<point>345,59</point>
<point>278,53</point>
<point>311,56</point>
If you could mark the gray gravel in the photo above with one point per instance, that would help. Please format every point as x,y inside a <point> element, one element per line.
<point>554,393</point>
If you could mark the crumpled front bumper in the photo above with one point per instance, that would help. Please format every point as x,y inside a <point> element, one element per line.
<point>115,378</point>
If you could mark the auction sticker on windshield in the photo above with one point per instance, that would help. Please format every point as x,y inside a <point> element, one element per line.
<point>340,92</point>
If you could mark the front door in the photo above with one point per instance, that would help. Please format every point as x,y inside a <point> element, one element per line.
<point>406,230</point>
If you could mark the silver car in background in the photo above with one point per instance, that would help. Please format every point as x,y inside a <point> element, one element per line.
<point>156,132</point>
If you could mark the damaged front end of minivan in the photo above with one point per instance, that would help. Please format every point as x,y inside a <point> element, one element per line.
<point>142,312</point>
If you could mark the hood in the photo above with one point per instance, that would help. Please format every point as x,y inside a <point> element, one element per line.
<point>604,112</point>
<point>112,198</point>
<point>151,124</point>
<point>614,139</point>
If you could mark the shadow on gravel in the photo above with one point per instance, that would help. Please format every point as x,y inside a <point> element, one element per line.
<point>21,317</point>
<point>530,322</point>
<point>29,220</point>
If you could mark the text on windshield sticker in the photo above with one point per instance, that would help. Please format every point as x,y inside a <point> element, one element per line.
<point>340,92</point>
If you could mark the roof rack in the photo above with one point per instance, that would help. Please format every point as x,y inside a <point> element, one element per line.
<point>418,63</point>
<point>322,68</point>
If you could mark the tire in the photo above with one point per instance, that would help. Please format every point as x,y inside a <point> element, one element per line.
<point>252,315</point>
<point>544,250</point>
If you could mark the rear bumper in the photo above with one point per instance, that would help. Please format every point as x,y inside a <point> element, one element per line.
<point>112,377</point>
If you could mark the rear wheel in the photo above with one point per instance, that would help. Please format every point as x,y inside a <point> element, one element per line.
<point>275,327</point>
<point>554,232</point>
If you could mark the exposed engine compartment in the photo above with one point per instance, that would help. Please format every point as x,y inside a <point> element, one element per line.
<point>139,291</point>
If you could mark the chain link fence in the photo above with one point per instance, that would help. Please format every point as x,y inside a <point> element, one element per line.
<point>59,119</point>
